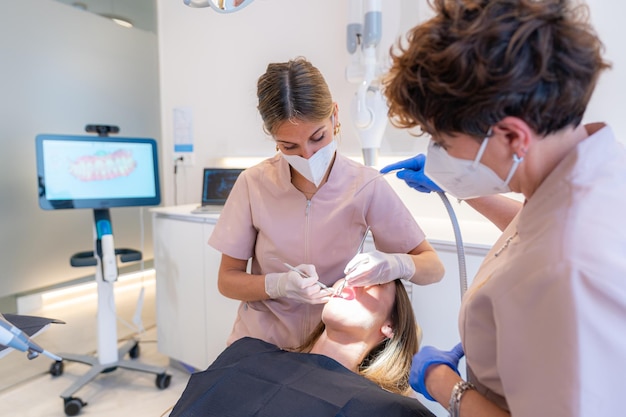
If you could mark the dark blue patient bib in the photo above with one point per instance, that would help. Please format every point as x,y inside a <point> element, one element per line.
<point>255,378</point>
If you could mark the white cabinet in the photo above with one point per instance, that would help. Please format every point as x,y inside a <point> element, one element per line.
<point>193,318</point>
<point>437,306</point>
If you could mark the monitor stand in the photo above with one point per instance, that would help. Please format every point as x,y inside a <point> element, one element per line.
<point>109,357</point>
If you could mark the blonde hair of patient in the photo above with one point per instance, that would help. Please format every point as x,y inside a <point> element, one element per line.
<point>388,364</point>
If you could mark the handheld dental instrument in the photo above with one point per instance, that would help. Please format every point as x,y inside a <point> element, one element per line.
<point>360,249</point>
<point>304,275</point>
<point>355,266</point>
<point>13,337</point>
<point>370,181</point>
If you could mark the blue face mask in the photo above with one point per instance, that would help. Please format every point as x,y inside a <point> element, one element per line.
<point>463,178</point>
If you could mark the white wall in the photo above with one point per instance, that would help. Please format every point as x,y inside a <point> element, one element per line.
<point>210,62</point>
<point>607,102</point>
<point>61,69</point>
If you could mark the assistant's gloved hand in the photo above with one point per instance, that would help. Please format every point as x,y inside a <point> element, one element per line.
<point>292,285</point>
<point>428,356</point>
<point>373,268</point>
<point>412,172</point>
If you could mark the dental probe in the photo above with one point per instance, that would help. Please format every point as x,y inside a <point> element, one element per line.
<point>303,275</point>
<point>359,250</point>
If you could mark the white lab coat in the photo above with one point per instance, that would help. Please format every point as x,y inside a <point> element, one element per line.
<point>544,322</point>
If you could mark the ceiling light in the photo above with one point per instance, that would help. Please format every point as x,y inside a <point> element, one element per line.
<point>122,21</point>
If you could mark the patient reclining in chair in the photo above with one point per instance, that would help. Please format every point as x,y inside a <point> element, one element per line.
<point>356,363</point>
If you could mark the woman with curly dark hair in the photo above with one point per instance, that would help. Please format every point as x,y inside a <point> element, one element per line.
<point>501,87</point>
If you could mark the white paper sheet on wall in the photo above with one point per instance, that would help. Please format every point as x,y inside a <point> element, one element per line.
<point>183,129</point>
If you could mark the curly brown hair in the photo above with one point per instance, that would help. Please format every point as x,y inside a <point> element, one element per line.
<point>478,61</point>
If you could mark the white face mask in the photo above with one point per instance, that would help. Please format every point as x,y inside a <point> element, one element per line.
<point>314,168</point>
<point>463,178</point>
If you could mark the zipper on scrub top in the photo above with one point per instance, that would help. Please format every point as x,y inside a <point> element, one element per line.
<point>307,211</point>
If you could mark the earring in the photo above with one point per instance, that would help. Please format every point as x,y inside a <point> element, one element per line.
<point>337,128</point>
<point>517,158</point>
<point>277,148</point>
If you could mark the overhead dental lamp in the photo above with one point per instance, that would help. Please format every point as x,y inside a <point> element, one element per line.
<point>220,6</point>
<point>369,108</point>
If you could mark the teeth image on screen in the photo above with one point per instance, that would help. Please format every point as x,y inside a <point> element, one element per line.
<point>88,172</point>
<point>103,166</point>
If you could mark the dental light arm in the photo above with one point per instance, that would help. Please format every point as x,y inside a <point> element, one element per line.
<point>220,6</point>
<point>369,110</point>
<point>196,3</point>
<point>370,37</point>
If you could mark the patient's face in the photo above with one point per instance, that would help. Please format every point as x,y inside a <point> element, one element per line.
<point>363,308</point>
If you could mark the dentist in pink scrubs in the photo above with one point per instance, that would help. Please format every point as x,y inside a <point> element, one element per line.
<point>501,87</point>
<point>308,206</point>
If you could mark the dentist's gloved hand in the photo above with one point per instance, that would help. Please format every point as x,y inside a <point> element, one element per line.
<point>428,356</point>
<point>412,172</point>
<point>373,268</point>
<point>292,285</point>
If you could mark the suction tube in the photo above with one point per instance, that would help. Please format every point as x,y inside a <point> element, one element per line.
<point>460,250</point>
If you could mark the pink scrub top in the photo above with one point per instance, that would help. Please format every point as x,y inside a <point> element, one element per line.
<point>268,220</point>
<point>543,324</point>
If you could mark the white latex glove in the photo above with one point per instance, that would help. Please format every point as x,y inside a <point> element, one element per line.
<point>292,285</point>
<point>373,268</point>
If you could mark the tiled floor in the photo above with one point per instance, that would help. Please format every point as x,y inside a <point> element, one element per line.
<point>118,393</point>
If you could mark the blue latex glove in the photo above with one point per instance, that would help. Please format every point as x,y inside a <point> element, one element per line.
<point>428,356</point>
<point>412,172</point>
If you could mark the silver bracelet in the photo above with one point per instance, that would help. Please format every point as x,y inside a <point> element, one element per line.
<point>455,398</point>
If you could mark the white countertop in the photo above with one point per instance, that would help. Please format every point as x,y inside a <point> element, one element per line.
<point>477,236</point>
<point>184,212</point>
